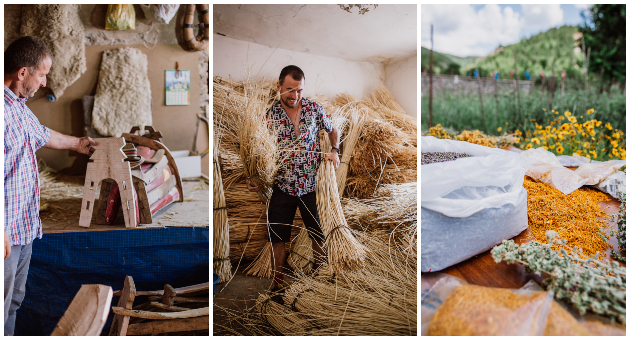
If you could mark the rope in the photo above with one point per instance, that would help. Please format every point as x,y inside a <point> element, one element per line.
<point>341,226</point>
<point>297,296</point>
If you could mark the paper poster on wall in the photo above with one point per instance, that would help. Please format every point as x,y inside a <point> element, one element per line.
<point>177,85</point>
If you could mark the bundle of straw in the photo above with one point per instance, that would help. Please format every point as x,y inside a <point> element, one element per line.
<point>301,257</point>
<point>221,242</point>
<point>345,253</point>
<point>356,124</point>
<point>258,143</point>
<point>280,317</point>
<point>261,266</point>
<point>242,116</point>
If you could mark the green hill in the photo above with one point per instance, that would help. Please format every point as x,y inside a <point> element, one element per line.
<point>441,61</point>
<point>534,55</point>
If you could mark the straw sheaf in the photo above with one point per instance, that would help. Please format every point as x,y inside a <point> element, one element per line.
<point>344,252</point>
<point>221,242</point>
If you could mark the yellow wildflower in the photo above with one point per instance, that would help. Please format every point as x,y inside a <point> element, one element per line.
<point>616,135</point>
<point>608,126</point>
<point>560,149</point>
<point>535,140</point>
<point>561,117</point>
<point>587,145</point>
<point>567,114</point>
<point>546,148</point>
<point>529,146</point>
<point>499,129</point>
<point>590,111</point>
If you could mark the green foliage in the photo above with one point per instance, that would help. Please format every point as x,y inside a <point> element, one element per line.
<point>441,61</point>
<point>620,218</point>
<point>587,284</point>
<point>535,54</point>
<point>607,40</point>
<point>453,68</point>
<point>462,112</point>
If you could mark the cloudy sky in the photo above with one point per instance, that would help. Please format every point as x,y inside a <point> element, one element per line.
<point>477,30</point>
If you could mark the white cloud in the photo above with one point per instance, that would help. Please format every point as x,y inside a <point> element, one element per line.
<point>542,17</point>
<point>459,30</point>
<point>582,6</point>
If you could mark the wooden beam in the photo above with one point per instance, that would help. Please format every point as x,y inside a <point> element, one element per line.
<point>180,291</point>
<point>181,299</point>
<point>121,322</point>
<point>87,313</point>
<point>161,316</point>
<point>169,326</point>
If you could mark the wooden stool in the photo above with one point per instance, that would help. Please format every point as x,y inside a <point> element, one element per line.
<point>108,162</point>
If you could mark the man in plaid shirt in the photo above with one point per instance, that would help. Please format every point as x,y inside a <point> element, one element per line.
<point>26,64</point>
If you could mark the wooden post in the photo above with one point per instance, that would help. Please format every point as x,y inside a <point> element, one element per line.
<point>552,83</point>
<point>563,74</point>
<point>431,81</point>
<point>587,55</point>
<point>496,98</point>
<point>518,96</point>
<point>483,118</point>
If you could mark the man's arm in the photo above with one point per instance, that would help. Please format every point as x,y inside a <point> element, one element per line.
<point>333,136</point>
<point>60,141</point>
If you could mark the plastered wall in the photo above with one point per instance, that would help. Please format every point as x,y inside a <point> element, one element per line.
<point>324,75</point>
<point>176,123</point>
<point>402,81</point>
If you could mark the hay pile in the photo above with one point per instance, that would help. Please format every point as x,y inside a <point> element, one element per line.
<point>379,299</point>
<point>221,242</point>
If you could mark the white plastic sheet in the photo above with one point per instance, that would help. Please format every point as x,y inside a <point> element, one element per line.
<point>490,179</point>
<point>543,166</point>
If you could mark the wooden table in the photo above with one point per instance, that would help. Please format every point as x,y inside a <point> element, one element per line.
<point>62,215</point>
<point>482,270</point>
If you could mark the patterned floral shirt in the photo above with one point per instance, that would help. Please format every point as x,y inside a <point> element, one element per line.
<point>298,173</point>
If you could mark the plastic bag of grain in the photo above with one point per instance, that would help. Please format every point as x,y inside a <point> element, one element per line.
<point>470,204</point>
<point>435,288</point>
<point>482,311</point>
<point>566,321</point>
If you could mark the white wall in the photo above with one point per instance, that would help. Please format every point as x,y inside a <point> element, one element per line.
<point>402,81</point>
<point>324,75</point>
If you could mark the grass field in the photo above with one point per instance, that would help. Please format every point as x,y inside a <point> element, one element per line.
<point>462,112</point>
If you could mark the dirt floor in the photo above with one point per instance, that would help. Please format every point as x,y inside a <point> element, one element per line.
<point>237,295</point>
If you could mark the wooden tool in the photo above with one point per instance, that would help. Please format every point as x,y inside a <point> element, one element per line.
<point>108,161</point>
<point>121,322</point>
<point>87,312</point>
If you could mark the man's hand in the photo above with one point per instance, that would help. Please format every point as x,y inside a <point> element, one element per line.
<point>85,146</point>
<point>252,188</point>
<point>7,245</point>
<point>333,157</point>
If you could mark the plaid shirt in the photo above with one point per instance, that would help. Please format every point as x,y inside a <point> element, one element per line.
<point>23,135</point>
<point>298,173</point>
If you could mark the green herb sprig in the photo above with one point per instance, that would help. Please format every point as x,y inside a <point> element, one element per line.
<point>588,284</point>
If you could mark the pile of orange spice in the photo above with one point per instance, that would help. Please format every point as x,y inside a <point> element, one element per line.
<point>575,217</point>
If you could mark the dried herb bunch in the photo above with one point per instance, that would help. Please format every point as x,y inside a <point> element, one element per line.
<point>588,284</point>
<point>620,218</point>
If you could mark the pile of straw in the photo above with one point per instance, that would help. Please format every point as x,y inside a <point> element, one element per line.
<point>384,154</point>
<point>221,242</point>
<point>261,266</point>
<point>345,253</point>
<point>394,208</point>
<point>379,299</point>
<point>242,117</point>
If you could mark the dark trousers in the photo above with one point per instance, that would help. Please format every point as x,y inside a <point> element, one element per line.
<point>282,208</point>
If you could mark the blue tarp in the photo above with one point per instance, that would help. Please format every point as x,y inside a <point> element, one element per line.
<point>62,262</point>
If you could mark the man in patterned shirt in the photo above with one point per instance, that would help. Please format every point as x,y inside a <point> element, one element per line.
<point>26,63</point>
<point>298,121</point>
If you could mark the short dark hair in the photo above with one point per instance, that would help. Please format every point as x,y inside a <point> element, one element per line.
<point>25,52</point>
<point>295,72</point>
